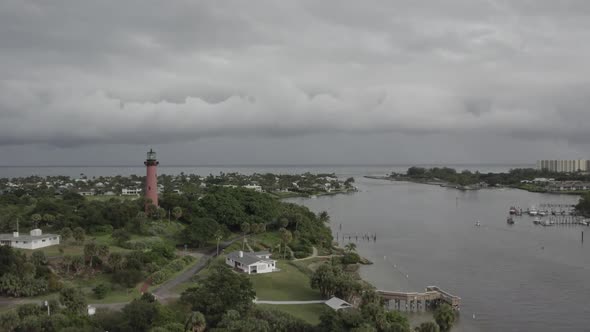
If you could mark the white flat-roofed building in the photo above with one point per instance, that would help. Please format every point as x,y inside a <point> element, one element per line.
<point>254,187</point>
<point>251,262</point>
<point>35,240</point>
<point>130,191</point>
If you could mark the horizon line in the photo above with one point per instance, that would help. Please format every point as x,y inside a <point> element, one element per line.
<point>276,165</point>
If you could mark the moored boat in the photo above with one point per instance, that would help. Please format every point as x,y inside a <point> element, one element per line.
<point>510,220</point>
<point>537,221</point>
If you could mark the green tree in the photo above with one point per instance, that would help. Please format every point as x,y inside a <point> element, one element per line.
<point>350,247</point>
<point>177,212</point>
<point>200,231</point>
<point>115,261</point>
<point>428,327</point>
<point>38,258</point>
<point>121,236</point>
<point>77,263</point>
<point>444,316</point>
<point>66,263</point>
<point>9,320</point>
<point>220,291</point>
<point>79,234</point>
<point>73,300</point>
<point>286,237</point>
<point>195,322</point>
<point>140,314</point>
<point>161,214</point>
<point>101,290</point>
<point>48,218</point>
<point>102,251</point>
<point>66,234</point>
<point>36,218</point>
<point>90,250</point>
<point>324,216</point>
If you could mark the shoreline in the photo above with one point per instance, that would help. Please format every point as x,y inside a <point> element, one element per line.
<point>472,188</point>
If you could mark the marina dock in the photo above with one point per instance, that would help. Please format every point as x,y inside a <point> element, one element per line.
<point>415,302</point>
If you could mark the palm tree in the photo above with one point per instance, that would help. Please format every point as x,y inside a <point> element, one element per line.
<point>35,219</point>
<point>177,212</point>
<point>350,247</point>
<point>444,317</point>
<point>115,261</point>
<point>324,216</point>
<point>195,323</point>
<point>218,237</point>
<point>67,262</point>
<point>90,250</point>
<point>286,236</point>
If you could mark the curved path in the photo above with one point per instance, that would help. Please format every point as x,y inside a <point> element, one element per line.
<point>162,292</point>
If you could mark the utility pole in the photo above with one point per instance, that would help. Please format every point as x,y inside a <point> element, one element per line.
<point>48,310</point>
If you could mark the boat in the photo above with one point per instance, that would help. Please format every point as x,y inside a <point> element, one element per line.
<point>512,210</point>
<point>533,211</point>
<point>537,221</point>
<point>477,223</point>
<point>510,220</point>
<point>542,213</point>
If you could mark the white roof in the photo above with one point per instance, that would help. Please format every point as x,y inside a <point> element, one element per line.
<point>337,304</point>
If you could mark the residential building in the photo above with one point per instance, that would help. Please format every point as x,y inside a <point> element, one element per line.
<point>564,166</point>
<point>35,240</point>
<point>251,262</point>
<point>254,187</point>
<point>131,191</point>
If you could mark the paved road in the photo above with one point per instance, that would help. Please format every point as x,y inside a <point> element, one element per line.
<point>163,292</point>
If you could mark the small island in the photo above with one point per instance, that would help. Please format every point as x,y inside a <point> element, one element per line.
<point>533,180</point>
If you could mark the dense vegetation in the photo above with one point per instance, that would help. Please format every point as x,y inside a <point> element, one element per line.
<point>466,177</point>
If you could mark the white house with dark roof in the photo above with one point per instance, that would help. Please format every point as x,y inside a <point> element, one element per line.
<point>251,262</point>
<point>35,240</point>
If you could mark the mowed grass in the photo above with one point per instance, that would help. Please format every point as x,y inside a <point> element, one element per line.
<point>289,284</point>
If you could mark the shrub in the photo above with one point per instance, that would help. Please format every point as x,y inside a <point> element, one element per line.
<point>128,277</point>
<point>100,291</point>
<point>351,258</point>
<point>188,259</point>
<point>176,265</point>
<point>160,276</point>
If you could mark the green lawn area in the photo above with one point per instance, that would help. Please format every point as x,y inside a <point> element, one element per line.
<point>308,312</point>
<point>289,284</point>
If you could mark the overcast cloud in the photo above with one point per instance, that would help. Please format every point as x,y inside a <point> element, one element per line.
<point>467,80</point>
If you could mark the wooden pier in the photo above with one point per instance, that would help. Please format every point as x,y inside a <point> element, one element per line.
<point>415,302</point>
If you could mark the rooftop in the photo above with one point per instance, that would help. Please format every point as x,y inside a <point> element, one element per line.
<point>248,258</point>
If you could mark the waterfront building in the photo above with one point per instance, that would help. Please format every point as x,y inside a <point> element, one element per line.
<point>35,240</point>
<point>151,179</point>
<point>251,262</point>
<point>564,166</point>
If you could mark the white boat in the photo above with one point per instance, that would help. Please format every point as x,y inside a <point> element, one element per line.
<point>543,213</point>
<point>533,212</point>
<point>537,220</point>
<point>477,223</point>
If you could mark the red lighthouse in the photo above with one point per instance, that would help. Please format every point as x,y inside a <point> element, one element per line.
<point>151,179</point>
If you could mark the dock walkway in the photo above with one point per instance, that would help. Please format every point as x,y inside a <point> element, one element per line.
<point>415,301</point>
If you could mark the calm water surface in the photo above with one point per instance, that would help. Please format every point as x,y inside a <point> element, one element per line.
<point>512,278</point>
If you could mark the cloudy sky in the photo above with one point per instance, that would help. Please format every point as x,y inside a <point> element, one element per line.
<point>283,82</point>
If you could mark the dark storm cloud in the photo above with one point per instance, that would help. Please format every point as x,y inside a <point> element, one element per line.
<point>100,72</point>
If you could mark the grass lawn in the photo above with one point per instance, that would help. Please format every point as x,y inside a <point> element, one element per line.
<point>308,312</point>
<point>289,284</point>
